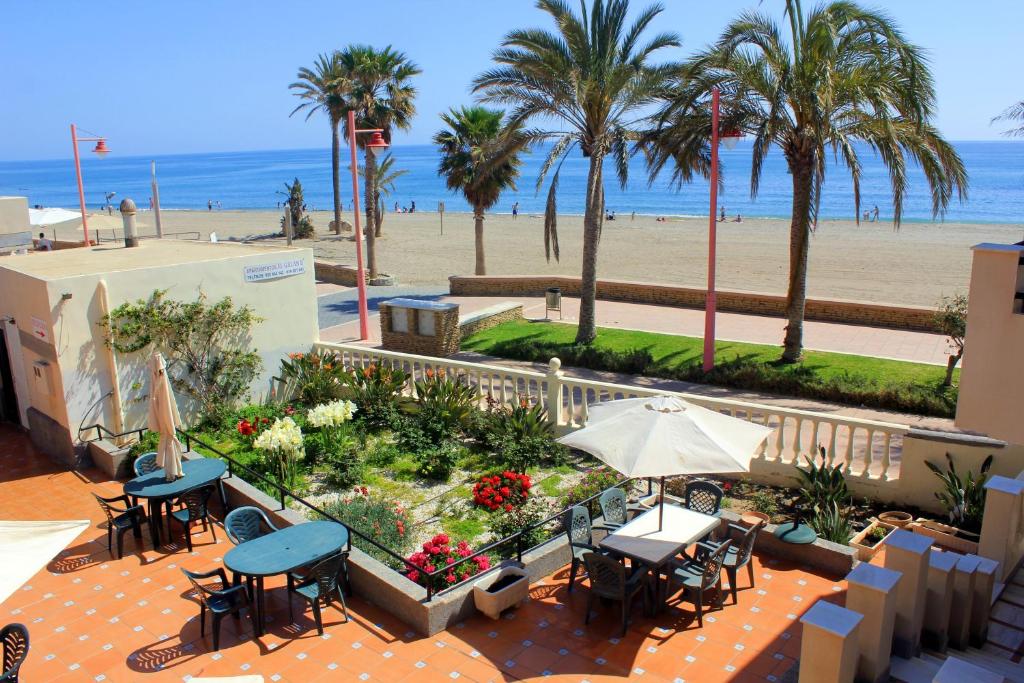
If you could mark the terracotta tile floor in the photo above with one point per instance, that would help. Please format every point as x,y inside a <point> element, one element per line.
<point>93,618</point>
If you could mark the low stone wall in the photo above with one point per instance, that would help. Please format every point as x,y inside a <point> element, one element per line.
<point>335,273</point>
<point>489,317</point>
<point>920,319</point>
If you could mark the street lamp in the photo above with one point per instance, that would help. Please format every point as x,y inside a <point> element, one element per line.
<point>376,142</point>
<point>101,150</point>
<point>729,138</point>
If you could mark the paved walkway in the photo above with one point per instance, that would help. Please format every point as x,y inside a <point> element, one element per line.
<point>339,307</point>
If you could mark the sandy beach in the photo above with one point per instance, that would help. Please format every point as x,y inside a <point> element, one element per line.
<point>915,265</point>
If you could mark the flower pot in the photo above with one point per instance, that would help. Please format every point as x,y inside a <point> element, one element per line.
<point>897,518</point>
<point>752,518</point>
<point>862,542</point>
<point>496,593</point>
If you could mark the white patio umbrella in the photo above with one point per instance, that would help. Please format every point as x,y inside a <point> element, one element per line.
<point>164,419</point>
<point>665,436</point>
<point>52,216</point>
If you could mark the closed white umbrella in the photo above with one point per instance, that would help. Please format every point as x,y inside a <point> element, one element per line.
<point>665,436</point>
<point>164,419</point>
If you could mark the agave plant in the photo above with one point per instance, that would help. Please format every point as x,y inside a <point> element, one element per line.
<point>964,499</point>
<point>823,485</point>
<point>832,523</point>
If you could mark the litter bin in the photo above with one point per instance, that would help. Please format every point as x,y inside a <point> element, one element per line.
<point>553,301</point>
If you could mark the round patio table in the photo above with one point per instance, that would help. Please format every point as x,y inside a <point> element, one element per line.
<point>284,551</point>
<point>157,490</point>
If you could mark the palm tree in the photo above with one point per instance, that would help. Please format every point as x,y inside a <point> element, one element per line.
<point>381,95</point>
<point>843,75</point>
<point>480,159</point>
<point>384,184</point>
<point>1014,113</point>
<point>323,89</point>
<point>592,79</point>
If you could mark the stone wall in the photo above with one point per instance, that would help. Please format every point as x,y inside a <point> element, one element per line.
<point>443,343</point>
<point>490,317</point>
<point>920,319</point>
<point>335,273</point>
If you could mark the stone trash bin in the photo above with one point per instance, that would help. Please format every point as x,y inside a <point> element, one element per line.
<point>499,591</point>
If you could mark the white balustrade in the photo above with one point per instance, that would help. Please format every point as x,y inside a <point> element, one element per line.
<point>867,449</point>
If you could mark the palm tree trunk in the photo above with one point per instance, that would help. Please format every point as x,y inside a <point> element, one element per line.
<point>335,170</point>
<point>379,219</point>
<point>371,212</point>
<point>478,228</point>
<point>799,243</point>
<point>592,220</point>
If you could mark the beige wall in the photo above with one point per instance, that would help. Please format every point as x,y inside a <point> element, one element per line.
<point>13,215</point>
<point>82,374</point>
<point>992,381</point>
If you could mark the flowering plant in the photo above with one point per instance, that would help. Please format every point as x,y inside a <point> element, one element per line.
<point>331,414</point>
<point>438,553</point>
<point>282,445</point>
<point>376,517</point>
<point>503,491</point>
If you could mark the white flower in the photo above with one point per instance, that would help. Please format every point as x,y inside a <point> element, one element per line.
<point>331,414</point>
<point>284,436</point>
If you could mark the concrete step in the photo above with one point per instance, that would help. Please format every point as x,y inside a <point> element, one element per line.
<point>914,670</point>
<point>1000,665</point>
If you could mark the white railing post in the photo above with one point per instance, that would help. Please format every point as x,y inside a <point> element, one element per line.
<point>554,380</point>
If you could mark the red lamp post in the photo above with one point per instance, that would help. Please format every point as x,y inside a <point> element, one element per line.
<point>101,150</point>
<point>376,142</point>
<point>729,138</point>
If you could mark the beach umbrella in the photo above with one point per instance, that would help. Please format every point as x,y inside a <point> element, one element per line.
<point>665,436</point>
<point>52,216</point>
<point>164,419</point>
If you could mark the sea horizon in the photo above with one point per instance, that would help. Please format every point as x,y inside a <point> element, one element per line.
<point>254,181</point>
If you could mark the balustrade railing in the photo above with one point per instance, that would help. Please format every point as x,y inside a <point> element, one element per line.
<point>867,449</point>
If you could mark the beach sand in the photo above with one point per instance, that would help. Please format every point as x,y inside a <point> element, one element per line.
<point>915,265</point>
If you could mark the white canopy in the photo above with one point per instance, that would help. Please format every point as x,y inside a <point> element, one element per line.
<point>52,216</point>
<point>664,436</point>
<point>164,419</point>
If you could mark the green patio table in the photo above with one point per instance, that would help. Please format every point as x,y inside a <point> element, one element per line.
<point>284,551</point>
<point>157,490</point>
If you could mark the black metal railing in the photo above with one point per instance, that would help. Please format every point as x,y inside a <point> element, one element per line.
<point>101,431</point>
<point>284,494</point>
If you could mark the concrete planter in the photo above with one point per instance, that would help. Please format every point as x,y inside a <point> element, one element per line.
<point>383,281</point>
<point>494,603</point>
<point>896,518</point>
<point>945,536</point>
<point>753,518</point>
<point>861,540</point>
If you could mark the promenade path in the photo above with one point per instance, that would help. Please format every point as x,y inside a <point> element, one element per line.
<point>338,307</point>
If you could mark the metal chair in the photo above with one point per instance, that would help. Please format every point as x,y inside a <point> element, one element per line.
<point>321,584</point>
<point>609,581</point>
<point>614,509</point>
<point>698,578</point>
<point>121,520</point>
<point>739,553</point>
<point>196,509</point>
<point>220,602</point>
<point>704,497</point>
<point>15,649</point>
<point>145,463</point>
<point>581,538</point>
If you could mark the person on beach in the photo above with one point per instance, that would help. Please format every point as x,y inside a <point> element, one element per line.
<point>209,205</point>
<point>396,207</point>
<point>721,216</point>
<point>632,216</point>
<point>412,206</point>
<point>738,219</point>
<point>515,210</point>
<point>876,214</point>
<point>43,244</point>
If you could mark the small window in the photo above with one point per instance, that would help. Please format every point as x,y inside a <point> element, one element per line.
<point>425,323</point>
<point>399,320</point>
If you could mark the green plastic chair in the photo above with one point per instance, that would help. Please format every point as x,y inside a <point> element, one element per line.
<point>196,509</point>
<point>699,578</point>
<point>220,602</point>
<point>614,509</point>
<point>145,463</point>
<point>321,585</point>
<point>14,638</point>
<point>122,520</point>
<point>739,553</point>
<point>581,538</point>
<point>609,581</point>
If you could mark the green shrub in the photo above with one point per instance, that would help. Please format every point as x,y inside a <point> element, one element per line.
<point>382,520</point>
<point>832,523</point>
<point>764,502</point>
<point>824,485</point>
<point>439,461</point>
<point>313,378</point>
<point>443,405</point>
<point>520,436</point>
<point>149,442</point>
<point>381,453</point>
<point>964,499</point>
<point>505,523</point>
<point>375,390</point>
<point>594,482</point>
<point>337,451</point>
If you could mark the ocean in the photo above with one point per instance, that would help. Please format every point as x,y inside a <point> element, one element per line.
<point>255,180</point>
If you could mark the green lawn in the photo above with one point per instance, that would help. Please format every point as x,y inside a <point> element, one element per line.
<point>899,385</point>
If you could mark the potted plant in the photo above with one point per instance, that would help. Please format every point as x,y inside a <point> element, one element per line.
<point>964,501</point>
<point>498,591</point>
<point>896,518</point>
<point>869,540</point>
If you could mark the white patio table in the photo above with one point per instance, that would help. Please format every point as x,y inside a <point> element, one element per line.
<point>641,540</point>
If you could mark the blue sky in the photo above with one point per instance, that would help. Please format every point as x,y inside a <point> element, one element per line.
<point>202,76</point>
